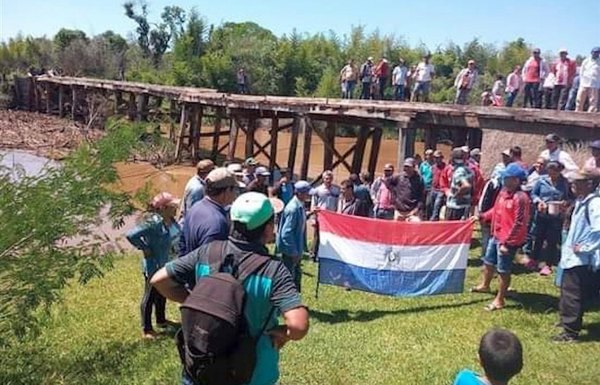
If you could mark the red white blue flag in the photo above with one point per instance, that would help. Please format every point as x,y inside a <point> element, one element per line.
<point>393,258</point>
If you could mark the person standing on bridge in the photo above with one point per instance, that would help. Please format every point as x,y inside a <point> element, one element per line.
<point>534,71</point>
<point>423,77</point>
<point>382,72</point>
<point>589,83</point>
<point>464,82</point>
<point>348,76</point>
<point>513,85</point>
<point>399,78</point>
<point>366,78</point>
<point>242,81</point>
<point>564,70</point>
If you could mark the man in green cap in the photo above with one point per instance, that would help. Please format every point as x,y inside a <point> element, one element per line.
<point>270,287</point>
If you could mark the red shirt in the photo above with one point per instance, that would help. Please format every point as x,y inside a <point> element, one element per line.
<point>437,170</point>
<point>509,217</point>
<point>532,72</point>
<point>446,178</point>
<point>478,181</point>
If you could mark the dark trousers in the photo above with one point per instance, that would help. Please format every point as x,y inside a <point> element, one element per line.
<point>437,199</point>
<point>399,93</point>
<point>547,92</point>
<point>152,298</point>
<point>548,230</point>
<point>457,214</point>
<point>560,96</point>
<point>293,265</point>
<point>366,90</point>
<point>382,84</point>
<point>579,287</point>
<point>531,95</point>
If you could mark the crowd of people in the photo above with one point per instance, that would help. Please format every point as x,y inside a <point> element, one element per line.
<point>229,214</point>
<point>560,85</point>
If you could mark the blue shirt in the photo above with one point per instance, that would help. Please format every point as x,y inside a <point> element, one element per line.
<point>468,377</point>
<point>270,287</point>
<point>194,192</point>
<point>426,174</point>
<point>545,191</point>
<point>206,221</point>
<point>585,232</point>
<point>157,241</point>
<point>291,232</point>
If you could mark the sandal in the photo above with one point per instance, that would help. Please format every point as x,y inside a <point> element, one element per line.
<point>476,289</point>
<point>492,307</point>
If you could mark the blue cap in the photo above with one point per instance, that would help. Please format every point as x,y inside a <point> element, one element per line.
<point>302,186</point>
<point>595,49</point>
<point>595,144</point>
<point>514,170</point>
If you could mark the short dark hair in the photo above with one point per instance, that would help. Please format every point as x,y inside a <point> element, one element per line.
<point>516,151</point>
<point>501,354</point>
<point>241,232</point>
<point>499,77</point>
<point>354,178</point>
<point>347,183</point>
<point>366,177</point>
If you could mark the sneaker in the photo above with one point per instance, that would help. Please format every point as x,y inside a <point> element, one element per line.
<point>149,335</point>
<point>546,271</point>
<point>564,337</point>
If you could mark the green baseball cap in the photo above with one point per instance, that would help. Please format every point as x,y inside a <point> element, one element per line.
<point>252,209</point>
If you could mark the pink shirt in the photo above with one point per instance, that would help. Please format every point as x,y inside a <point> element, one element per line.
<point>532,72</point>
<point>513,82</point>
<point>386,199</point>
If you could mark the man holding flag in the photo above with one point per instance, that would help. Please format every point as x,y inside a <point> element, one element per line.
<point>509,218</point>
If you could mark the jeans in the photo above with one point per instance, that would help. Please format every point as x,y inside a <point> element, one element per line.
<point>548,229</point>
<point>366,90</point>
<point>571,101</point>
<point>399,92</point>
<point>462,96</point>
<point>152,298</point>
<point>438,199</point>
<point>421,92</point>
<point>560,96</point>
<point>531,95</point>
<point>293,264</point>
<point>510,98</point>
<point>348,89</point>
<point>503,262</point>
<point>547,92</point>
<point>242,89</point>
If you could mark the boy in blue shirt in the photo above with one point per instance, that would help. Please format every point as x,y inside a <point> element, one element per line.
<point>500,355</point>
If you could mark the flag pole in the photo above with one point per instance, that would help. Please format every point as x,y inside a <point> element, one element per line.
<point>315,257</point>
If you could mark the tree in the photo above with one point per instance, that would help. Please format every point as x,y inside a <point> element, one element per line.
<point>64,37</point>
<point>37,217</point>
<point>143,27</point>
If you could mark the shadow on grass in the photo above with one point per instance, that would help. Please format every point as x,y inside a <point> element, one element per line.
<point>536,302</point>
<point>343,315</point>
<point>593,333</point>
<point>474,262</point>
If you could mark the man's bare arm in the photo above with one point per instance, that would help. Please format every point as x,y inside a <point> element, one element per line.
<point>169,288</point>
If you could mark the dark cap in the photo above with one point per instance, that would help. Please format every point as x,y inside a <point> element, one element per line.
<point>595,144</point>
<point>457,155</point>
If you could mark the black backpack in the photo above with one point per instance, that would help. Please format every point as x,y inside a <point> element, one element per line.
<point>214,343</point>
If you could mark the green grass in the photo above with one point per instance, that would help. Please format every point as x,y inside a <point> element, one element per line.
<point>93,337</point>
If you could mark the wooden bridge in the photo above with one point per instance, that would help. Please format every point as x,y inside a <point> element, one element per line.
<point>306,116</point>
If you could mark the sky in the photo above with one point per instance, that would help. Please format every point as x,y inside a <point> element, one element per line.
<point>547,24</point>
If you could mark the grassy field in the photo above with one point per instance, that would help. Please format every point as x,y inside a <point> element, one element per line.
<point>93,338</point>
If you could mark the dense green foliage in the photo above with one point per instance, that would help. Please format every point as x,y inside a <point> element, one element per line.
<point>181,48</point>
<point>45,222</point>
<point>93,337</point>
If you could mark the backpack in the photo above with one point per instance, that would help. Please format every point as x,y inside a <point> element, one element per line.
<point>214,342</point>
<point>489,194</point>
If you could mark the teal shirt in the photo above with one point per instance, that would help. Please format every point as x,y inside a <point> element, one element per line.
<point>271,286</point>
<point>156,239</point>
<point>468,377</point>
<point>426,174</point>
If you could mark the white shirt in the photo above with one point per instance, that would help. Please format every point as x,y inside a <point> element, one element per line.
<point>399,76</point>
<point>563,157</point>
<point>513,82</point>
<point>424,72</point>
<point>589,74</point>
